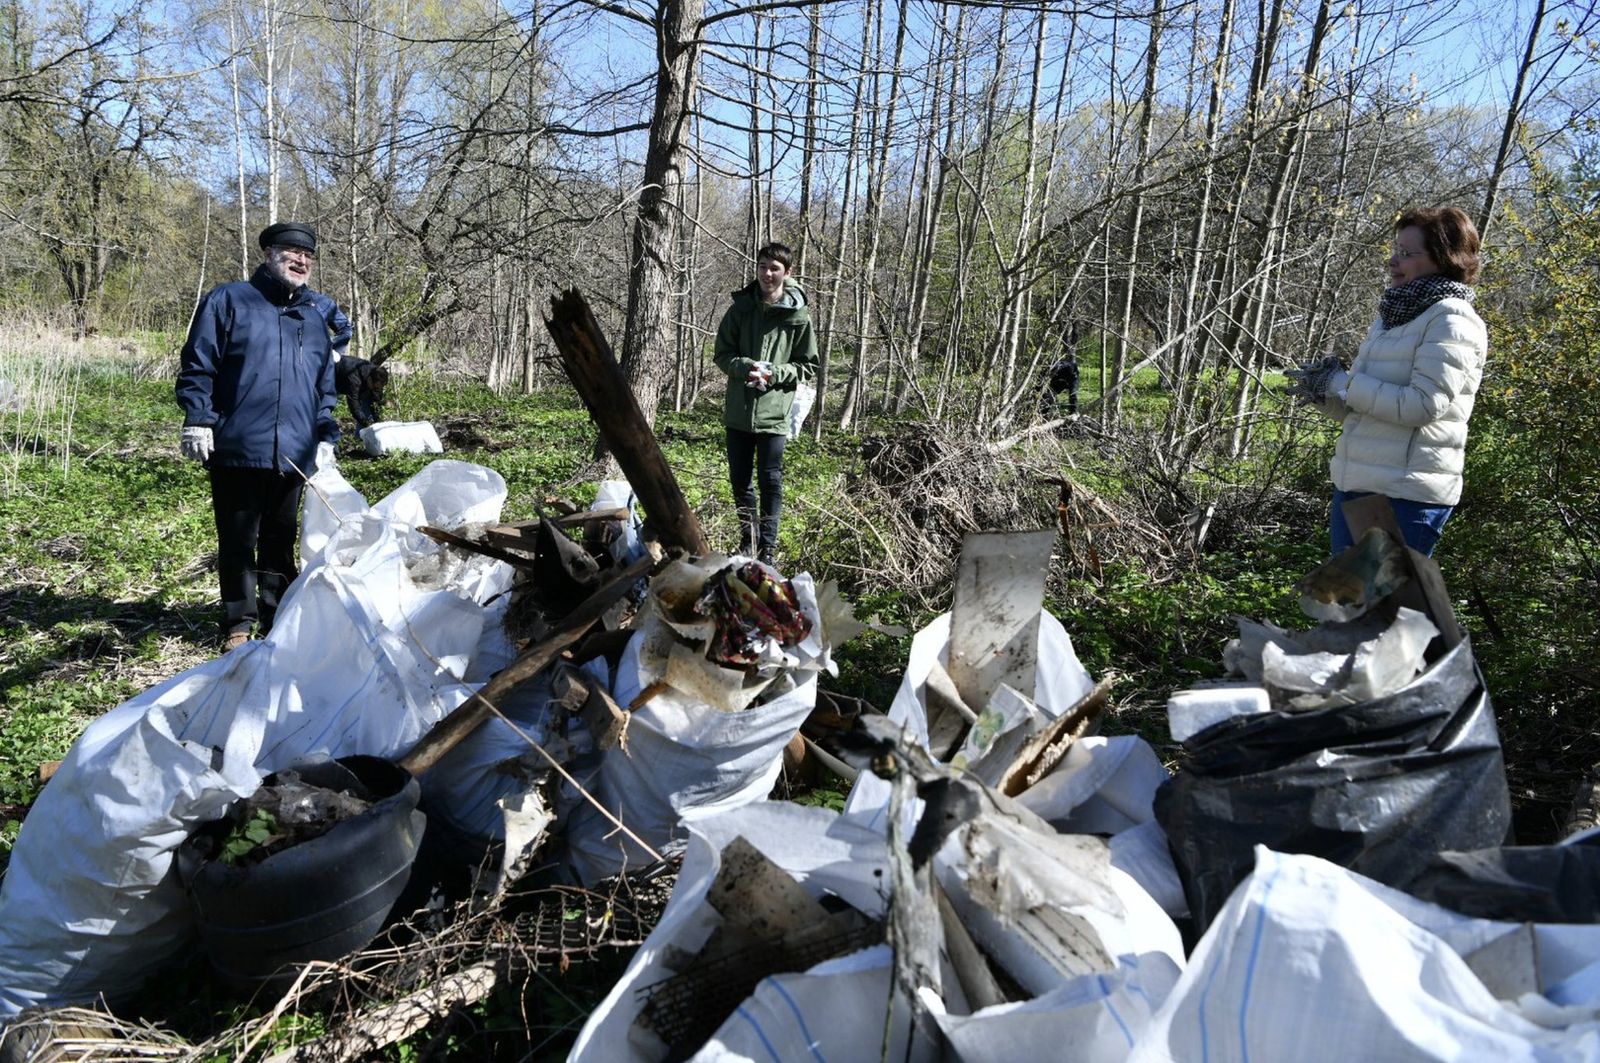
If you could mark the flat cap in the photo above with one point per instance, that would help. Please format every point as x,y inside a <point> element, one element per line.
<point>288,234</point>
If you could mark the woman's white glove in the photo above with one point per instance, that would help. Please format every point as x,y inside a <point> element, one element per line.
<point>325,457</point>
<point>195,442</point>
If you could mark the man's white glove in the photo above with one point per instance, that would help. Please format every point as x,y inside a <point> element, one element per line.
<point>760,377</point>
<point>325,458</point>
<point>196,442</point>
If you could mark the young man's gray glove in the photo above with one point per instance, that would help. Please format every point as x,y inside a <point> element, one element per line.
<point>195,442</point>
<point>1313,382</point>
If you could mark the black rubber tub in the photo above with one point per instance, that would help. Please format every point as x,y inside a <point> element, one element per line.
<point>319,900</point>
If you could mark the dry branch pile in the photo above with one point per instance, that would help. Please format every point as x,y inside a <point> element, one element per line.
<point>413,977</point>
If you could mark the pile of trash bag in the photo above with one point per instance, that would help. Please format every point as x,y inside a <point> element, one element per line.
<point>1321,877</point>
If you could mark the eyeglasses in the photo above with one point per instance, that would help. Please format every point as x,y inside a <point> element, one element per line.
<point>286,249</point>
<point>1402,253</point>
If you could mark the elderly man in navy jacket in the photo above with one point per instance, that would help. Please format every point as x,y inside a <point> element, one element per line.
<point>257,392</point>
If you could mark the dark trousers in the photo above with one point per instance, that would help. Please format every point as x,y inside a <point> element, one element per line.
<point>760,453</point>
<point>258,513</point>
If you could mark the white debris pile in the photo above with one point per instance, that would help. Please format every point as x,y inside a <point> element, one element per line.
<point>717,678</point>
<point>363,658</point>
<point>1372,640</point>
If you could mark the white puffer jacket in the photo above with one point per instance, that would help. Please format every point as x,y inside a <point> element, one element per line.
<point>1405,411</point>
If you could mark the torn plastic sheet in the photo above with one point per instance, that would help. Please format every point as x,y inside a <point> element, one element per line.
<point>1049,907</point>
<point>626,547</point>
<point>1333,664</point>
<point>1060,683</point>
<point>370,648</point>
<point>1310,962</point>
<point>481,792</point>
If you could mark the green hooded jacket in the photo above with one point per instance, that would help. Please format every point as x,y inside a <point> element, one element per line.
<point>780,333</point>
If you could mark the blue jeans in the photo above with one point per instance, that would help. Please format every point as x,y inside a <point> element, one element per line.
<point>1420,522</point>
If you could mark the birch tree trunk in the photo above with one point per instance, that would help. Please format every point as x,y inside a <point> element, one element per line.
<point>1136,211</point>
<point>877,177</point>
<point>1254,361</point>
<point>645,343</point>
<point>1186,361</point>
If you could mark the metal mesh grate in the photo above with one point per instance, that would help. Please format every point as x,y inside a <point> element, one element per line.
<point>686,1009</point>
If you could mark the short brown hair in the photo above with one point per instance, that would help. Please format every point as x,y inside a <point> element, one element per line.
<point>778,253</point>
<point>1450,238</point>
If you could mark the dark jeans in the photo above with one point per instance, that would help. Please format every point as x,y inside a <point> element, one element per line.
<point>257,512</point>
<point>760,452</point>
<point>1420,522</point>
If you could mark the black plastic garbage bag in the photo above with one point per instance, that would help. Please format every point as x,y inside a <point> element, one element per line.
<point>1378,787</point>
<point>1517,884</point>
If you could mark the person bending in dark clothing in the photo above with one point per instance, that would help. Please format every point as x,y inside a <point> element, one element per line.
<point>1063,377</point>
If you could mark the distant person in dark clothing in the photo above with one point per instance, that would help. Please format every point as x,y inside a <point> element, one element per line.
<point>1063,377</point>
<point>358,380</point>
<point>256,386</point>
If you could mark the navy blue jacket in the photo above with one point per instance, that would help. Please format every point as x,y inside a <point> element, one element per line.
<point>258,369</point>
<point>337,321</point>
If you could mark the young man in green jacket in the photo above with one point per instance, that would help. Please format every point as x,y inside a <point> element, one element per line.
<point>767,347</point>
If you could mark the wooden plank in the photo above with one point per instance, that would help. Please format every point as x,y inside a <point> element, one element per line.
<point>601,384</point>
<point>439,535</point>
<point>1045,749</point>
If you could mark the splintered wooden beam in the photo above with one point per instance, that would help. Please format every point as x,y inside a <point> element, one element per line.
<point>448,732</point>
<point>601,384</point>
<point>439,535</point>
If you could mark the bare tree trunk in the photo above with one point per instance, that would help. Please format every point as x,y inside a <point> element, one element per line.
<point>753,233</point>
<point>877,178</point>
<point>808,149</point>
<point>846,210</point>
<point>1292,140</point>
<point>648,323</point>
<point>1018,279</point>
<point>1186,363</point>
<point>1136,212</point>
<point>238,140</point>
<point>977,191</point>
<point>931,203</point>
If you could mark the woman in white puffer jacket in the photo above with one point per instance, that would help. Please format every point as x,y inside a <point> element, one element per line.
<point>1406,399</point>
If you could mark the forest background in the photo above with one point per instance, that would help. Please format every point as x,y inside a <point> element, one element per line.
<point>1190,195</point>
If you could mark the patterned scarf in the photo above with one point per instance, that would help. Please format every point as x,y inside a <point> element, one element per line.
<point>1404,303</point>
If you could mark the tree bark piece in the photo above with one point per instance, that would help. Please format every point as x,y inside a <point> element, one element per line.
<point>589,363</point>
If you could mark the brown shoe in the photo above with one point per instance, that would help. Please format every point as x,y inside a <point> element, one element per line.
<point>234,640</point>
